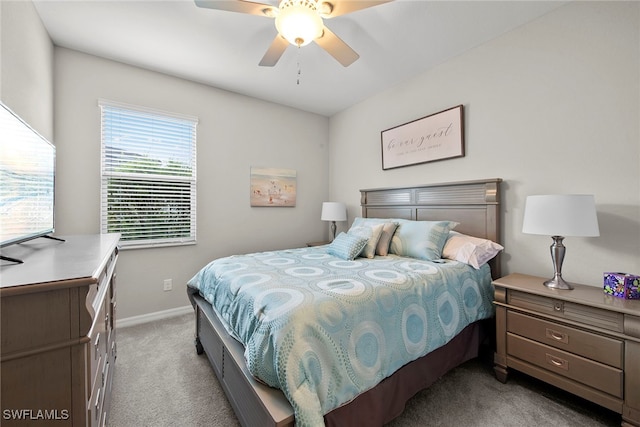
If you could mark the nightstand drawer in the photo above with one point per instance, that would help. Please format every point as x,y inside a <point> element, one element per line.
<point>591,316</point>
<point>593,346</point>
<point>577,368</point>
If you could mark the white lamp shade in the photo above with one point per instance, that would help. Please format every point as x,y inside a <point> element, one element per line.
<point>561,215</point>
<point>333,211</point>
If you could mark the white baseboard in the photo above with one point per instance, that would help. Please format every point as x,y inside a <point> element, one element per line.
<point>150,317</point>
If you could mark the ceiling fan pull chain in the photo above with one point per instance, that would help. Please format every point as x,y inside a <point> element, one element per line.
<point>299,68</point>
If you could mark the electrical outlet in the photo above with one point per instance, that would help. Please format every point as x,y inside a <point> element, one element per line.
<point>168,284</point>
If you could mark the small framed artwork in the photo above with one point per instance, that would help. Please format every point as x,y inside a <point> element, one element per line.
<point>438,136</point>
<point>273,187</point>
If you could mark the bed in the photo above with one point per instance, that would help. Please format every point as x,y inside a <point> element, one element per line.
<point>378,392</point>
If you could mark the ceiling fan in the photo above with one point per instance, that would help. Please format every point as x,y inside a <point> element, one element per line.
<point>299,22</point>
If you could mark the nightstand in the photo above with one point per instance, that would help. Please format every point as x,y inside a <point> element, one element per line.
<point>310,244</point>
<point>580,340</point>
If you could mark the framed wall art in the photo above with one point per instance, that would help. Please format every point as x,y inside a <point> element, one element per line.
<point>438,136</point>
<point>273,187</point>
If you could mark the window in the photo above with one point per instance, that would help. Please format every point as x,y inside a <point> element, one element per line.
<point>148,176</point>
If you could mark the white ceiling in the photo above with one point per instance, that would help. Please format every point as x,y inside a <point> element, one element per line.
<point>395,41</point>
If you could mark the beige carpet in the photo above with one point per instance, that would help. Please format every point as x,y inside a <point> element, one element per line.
<point>159,380</point>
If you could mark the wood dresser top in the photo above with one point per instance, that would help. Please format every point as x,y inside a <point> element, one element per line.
<point>593,296</point>
<point>50,262</point>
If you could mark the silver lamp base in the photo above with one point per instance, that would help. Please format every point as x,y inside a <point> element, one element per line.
<point>557,256</point>
<point>558,283</point>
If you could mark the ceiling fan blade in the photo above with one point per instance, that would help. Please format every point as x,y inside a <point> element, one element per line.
<point>337,48</point>
<point>239,6</point>
<point>275,51</point>
<point>333,8</point>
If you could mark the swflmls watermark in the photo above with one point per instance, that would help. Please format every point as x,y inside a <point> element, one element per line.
<point>35,414</point>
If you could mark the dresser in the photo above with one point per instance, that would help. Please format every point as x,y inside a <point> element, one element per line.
<point>580,340</point>
<point>58,344</point>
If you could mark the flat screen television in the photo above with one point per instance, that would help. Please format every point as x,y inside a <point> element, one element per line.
<point>27,174</point>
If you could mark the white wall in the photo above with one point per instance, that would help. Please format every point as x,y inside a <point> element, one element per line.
<point>26,65</point>
<point>234,133</point>
<point>551,107</point>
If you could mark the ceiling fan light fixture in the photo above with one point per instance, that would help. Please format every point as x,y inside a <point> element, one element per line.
<point>298,21</point>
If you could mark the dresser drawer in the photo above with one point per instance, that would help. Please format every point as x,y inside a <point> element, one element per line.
<point>593,346</point>
<point>592,316</point>
<point>577,368</point>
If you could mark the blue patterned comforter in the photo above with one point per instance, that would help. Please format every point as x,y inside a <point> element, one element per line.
<point>323,330</point>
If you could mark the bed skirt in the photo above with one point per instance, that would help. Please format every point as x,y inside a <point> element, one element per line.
<point>387,400</point>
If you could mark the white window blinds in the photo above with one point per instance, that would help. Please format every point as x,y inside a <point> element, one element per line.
<point>148,176</point>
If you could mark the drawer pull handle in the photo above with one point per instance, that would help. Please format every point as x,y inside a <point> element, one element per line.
<point>557,362</point>
<point>97,404</point>
<point>96,347</point>
<point>557,336</point>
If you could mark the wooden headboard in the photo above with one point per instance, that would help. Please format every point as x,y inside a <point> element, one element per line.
<point>475,205</point>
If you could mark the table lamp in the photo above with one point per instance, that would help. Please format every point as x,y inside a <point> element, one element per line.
<point>558,216</point>
<point>333,211</point>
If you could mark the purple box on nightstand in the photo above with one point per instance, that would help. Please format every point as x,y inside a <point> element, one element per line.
<point>622,285</point>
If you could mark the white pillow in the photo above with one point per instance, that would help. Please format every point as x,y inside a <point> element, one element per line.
<point>470,250</point>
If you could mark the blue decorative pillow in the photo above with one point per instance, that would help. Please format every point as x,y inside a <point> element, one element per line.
<point>347,246</point>
<point>420,239</point>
